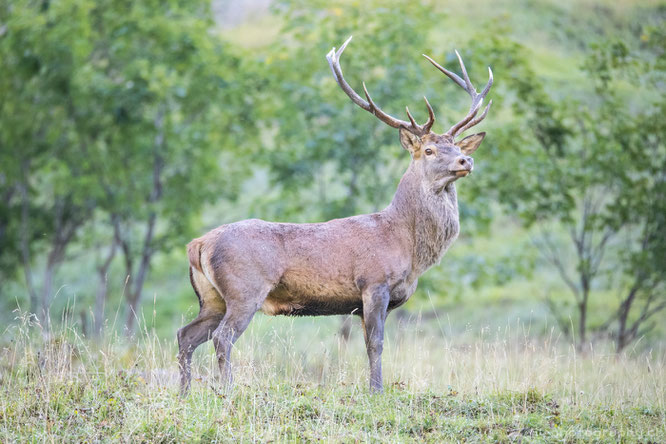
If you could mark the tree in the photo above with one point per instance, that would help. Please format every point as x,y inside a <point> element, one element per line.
<point>137,106</point>
<point>170,103</point>
<point>580,167</point>
<point>638,206</point>
<point>44,186</point>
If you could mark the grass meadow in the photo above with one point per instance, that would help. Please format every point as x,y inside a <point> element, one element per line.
<point>297,380</point>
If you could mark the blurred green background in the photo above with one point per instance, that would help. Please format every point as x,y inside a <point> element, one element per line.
<point>129,128</point>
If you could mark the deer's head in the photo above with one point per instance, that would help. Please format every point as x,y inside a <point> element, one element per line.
<point>437,158</point>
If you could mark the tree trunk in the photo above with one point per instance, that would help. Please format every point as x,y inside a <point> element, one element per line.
<point>84,322</point>
<point>582,311</point>
<point>34,299</point>
<point>100,302</point>
<point>345,328</point>
<point>102,291</point>
<point>134,296</point>
<point>63,234</point>
<point>47,292</point>
<point>25,248</point>
<point>147,253</point>
<point>132,313</point>
<point>623,315</point>
<point>582,322</point>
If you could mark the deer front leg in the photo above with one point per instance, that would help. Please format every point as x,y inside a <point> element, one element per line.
<point>375,304</point>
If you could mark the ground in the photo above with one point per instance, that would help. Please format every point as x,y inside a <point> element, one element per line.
<point>297,381</point>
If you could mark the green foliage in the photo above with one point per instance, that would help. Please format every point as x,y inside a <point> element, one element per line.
<point>596,167</point>
<point>118,111</point>
<point>323,141</point>
<point>45,184</point>
<point>329,156</point>
<point>101,98</point>
<point>158,113</point>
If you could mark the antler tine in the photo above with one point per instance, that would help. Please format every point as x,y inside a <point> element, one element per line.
<point>468,82</point>
<point>453,76</point>
<point>409,115</point>
<point>456,129</point>
<point>333,58</point>
<point>477,98</point>
<point>478,119</point>
<point>469,87</point>
<point>431,116</point>
<point>484,93</point>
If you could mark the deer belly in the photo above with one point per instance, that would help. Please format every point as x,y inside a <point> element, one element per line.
<point>312,299</point>
<point>319,307</point>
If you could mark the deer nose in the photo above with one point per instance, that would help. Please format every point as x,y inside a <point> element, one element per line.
<point>466,162</point>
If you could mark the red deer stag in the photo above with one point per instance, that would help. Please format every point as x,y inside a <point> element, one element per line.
<point>366,265</point>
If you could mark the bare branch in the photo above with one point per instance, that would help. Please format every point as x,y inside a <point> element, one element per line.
<point>552,255</point>
<point>598,254</point>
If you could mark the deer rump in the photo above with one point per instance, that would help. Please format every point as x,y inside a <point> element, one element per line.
<point>303,269</point>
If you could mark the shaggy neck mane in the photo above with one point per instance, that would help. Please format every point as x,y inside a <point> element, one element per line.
<point>431,217</point>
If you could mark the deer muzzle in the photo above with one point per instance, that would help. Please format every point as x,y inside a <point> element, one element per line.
<point>464,166</point>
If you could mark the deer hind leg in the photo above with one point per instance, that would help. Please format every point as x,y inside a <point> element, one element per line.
<point>243,299</point>
<point>211,312</point>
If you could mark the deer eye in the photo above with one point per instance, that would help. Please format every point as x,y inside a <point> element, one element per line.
<point>428,152</point>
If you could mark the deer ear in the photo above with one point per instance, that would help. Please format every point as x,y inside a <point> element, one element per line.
<point>470,143</point>
<point>409,141</point>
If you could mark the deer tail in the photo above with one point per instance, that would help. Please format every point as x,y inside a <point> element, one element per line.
<point>194,254</point>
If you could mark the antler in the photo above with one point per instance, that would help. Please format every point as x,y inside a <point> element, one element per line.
<point>333,58</point>
<point>477,98</point>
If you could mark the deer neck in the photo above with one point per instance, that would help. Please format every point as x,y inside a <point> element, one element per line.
<point>429,216</point>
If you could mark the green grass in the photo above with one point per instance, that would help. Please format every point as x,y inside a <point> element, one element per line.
<point>297,381</point>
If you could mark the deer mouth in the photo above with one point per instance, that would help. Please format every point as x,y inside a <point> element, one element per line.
<point>462,173</point>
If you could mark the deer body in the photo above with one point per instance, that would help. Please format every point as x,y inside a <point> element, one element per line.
<point>323,268</point>
<point>365,265</point>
